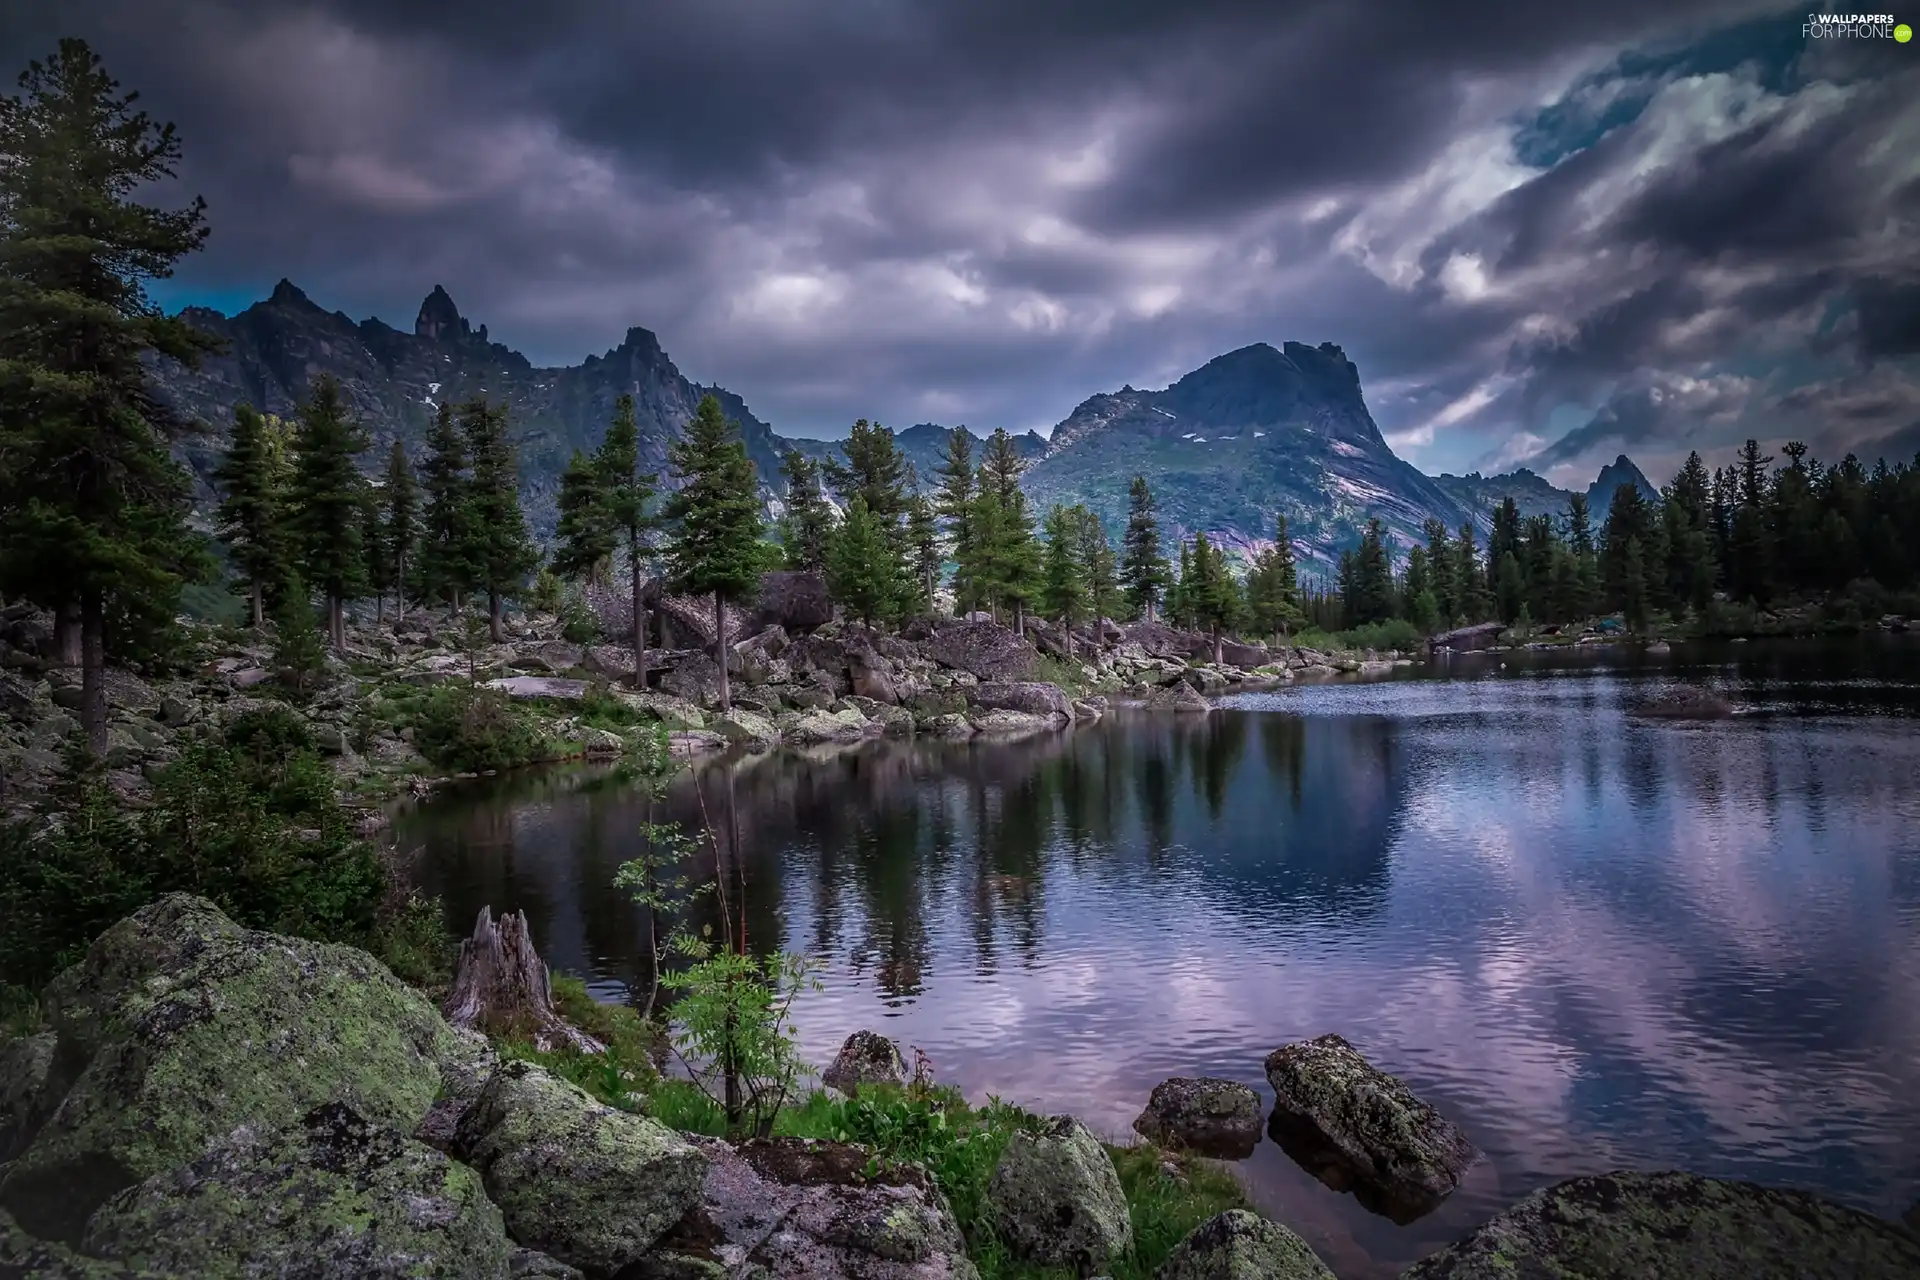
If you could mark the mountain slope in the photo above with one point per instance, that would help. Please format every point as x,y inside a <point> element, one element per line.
<point>1616,473</point>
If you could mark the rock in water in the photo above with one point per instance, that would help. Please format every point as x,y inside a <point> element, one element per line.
<point>502,987</point>
<point>1357,1128</point>
<point>1177,697</point>
<point>867,1057</point>
<point>1055,1198</point>
<point>1218,1118</point>
<point>332,1198</point>
<point>589,1185</point>
<point>1032,697</point>
<point>179,1026</point>
<point>1675,1226</point>
<point>1237,1245</point>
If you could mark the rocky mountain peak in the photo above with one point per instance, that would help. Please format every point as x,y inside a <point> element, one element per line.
<point>439,320</point>
<point>643,345</point>
<point>289,294</point>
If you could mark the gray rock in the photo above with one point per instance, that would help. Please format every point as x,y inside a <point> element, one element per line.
<point>530,1264</point>
<point>1358,1128</point>
<point>250,677</point>
<point>1218,1118</point>
<point>1675,1226</point>
<point>66,696</point>
<point>540,687</point>
<point>693,676</point>
<point>824,726</point>
<point>950,725</point>
<point>27,1089</point>
<point>1010,723</point>
<point>592,1186</point>
<point>1177,697</point>
<point>1034,697</point>
<point>983,649</point>
<point>1205,679</point>
<point>794,600</point>
<point>177,713</point>
<point>1055,1198</point>
<point>891,719</point>
<point>180,1026</point>
<point>1244,656</point>
<point>1157,640</point>
<point>22,1256</point>
<point>867,1057</point>
<point>332,1198</point>
<point>812,698</point>
<point>1238,1245</point>
<point>748,729</point>
<point>797,1209</point>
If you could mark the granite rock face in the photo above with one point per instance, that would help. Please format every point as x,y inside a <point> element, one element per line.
<point>1218,1118</point>
<point>1055,1198</point>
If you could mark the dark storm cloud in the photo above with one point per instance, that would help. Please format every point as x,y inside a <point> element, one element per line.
<point>988,209</point>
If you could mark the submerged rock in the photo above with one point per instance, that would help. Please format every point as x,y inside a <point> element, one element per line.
<point>1687,703</point>
<point>592,1186</point>
<point>1177,697</point>
<point>867,1057</point>
<point>797,1209</point>
<point>180,1026</point>
<point>1218,1118</point>
<point>1357,1128</point>
<point>1055,1198</point>
<point>1238,1245</point>
<point>1675,1226</point>
<point>331,1198</point>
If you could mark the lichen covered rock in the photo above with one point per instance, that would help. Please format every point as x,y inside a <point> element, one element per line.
<point>180,1026</point>
<point>21,1255</point>
<point>27,1093</point>
<point>1238,1245</point>
<point>331,1198</point>
<point>821,725</point>
<point>867,1057</point>
<point>1675,1226</point>
<point>1177,697</point>
<point>592,1186</point>
<point>1034,697</point>
<point>1358,1128</point>
<point>1218,1118</point>
<point>1009,723</point>
<point>748,729</point>
<point>1055,1197</point>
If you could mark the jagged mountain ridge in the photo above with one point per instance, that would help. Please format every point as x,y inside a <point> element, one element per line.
<point>925,445</point>
<point>1536,496</point>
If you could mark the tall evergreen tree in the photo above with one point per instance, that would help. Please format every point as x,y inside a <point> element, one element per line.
<point>1441,567</point>
<point>250,510</point>
<point>1183,593</point>
<point>1585,561</point>
<point>1097,564</point>
<point>503,552</point>
<point>1273,588</point>
<point>874,469</point>
<point>584,537</point>
<point>715,548</point>
<point>1143,569</point>
<point>862,567</point>
<point>1469,580</point>
<point>373,550</point>
<point>1213,595</point>
<point>1063,592</point>
<point>626,494</point>
<point>1749,566</point>
<point>400,525</point>
<point>328,498</point>
<point>1016,552</point>
<point>953,503</point>
<point>446,535</point>
<point>923,550</point>
<point>806,528</point>
<point>92,505</point>
<point>1368,589</point>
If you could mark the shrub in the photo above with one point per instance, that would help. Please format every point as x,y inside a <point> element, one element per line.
<point>577,622</point>
<point>465,729</point>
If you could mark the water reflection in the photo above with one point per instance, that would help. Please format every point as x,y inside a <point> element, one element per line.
<point>1593,941</point>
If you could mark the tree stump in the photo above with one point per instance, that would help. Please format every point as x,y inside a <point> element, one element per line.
<point>502,988</point>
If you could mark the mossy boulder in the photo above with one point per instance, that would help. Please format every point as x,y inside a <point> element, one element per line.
<point>1055,1197</point>
<point>180,1026</point>
<point>821,725</point>
<point>27,1094</point>
<point>1675,1226</point>
<point>23,1256</point>
<point>333,1197</point>
<point>1358,1128</point>
<point>867,1057</point>
<point>1238,1245</point>
<point>590,1185</point>
<point>1218,1118</point>
<point>748,729</point>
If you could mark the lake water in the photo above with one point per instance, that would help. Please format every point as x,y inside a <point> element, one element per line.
<point>1593,940</point>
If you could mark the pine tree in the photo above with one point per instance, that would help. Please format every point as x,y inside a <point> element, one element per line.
<point>446,538</point>
<point>1469,581</point>
<point>626,496</point>
<point>400,525</point>
<point>876,470</point>
<point>715,548</point>
<point>328,493</point>
<point>584,537</point>
<point>1183,593</point>
<point>1633,579</point>
<point>1585,564</point>
<point>1097,564</point>
<point>923,550</point>
<point>503,553</point>
<point>1441,566</point>
<point>1509,588</point>
<point>1367,592</point>
<point>980,570</point>
<point>1212,595</point>
<point>1143,570</point>
<point>373,549</point>
<point>862,569</point>
<point>1273,588</point>
<point>1063,591</point>
<point>1015,553</point>
<point>93,507</point>
<point>953,502</point>
<point>250,509</point>
<point>299,652</point>
<point>806,528</point>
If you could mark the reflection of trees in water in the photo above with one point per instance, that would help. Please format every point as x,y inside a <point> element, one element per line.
<point>1220,742</point>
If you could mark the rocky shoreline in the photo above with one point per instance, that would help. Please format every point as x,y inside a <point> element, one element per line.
<point>204,1100</point>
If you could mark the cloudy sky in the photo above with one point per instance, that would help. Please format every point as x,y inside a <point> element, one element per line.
<point>1544,232</point>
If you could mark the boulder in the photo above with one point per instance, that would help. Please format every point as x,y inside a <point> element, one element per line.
<point>820,725</point>
<point>540,687</point>
<point>891,719</point>
<point>1218,1118</point>
<point>1176,697</point>
<point>796,600</point>
<point>799,1209</point>
<point>27,1089</point>
<point>1034,697</point>
<point>748,729</point>
<point>246,678</point>
<point>693,676</point>
<point>589,1185</point>
<point>812,697</point>
<point>867,1057</point>
<point>180,1026</point>
<point>333,1197</point>
<point>984,650</point>
<point>1630,1225</point>
<point>611,662</point>
<point>943,724</point>
<point>1244,656</point>
<point>1205,679</point>
<point>529,1264</point>
<point>599,742</point>
<point>29,1259</point>
<point>177,713</point>
<point>1238,1245</point>
<point>1158,640</point>
<point>1358,1128</point>
<point>675,713</point>
<point>1055,1198</point>
<point>757,660</point>
<point>1009,723</point>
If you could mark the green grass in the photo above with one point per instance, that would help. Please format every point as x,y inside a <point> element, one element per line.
<point>958,1144</point>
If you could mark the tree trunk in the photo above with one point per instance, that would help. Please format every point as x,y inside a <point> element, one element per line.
<point>399,590</point>
<point>259,605</point>
<point>93,671</point>
<point>380,607</point>
<point>1020,618</point>
<point>453,601</point>
<point>502,988</point>
<point>337,622</point>
<point>66,634</point>
<point>639,626</point>
<point>1216,646</point>
<point>494,631</point>
<point>1149,610</point>
<point>720,649</point>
